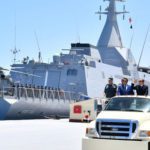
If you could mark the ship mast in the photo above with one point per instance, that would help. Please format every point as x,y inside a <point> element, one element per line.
<point>38,45</point>
<point>15,51</point>
<point>110,36</point>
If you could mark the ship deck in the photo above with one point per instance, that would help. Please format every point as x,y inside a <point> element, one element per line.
<point>41,135</point>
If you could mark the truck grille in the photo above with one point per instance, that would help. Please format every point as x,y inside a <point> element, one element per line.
<point>116,129</point>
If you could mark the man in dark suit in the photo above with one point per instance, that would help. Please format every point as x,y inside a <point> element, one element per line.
<point>110,89</point>
<point>141,88</point>
<point>124,88</point>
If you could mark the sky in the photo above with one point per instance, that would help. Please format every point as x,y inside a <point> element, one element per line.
<point>58,23</point>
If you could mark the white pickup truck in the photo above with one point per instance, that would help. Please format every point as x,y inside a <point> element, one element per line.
<point>124,124</point>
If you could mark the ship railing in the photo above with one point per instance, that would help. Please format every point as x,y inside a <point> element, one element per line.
<point>36,93</point>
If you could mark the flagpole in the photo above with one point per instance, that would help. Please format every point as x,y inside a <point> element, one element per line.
<point>143,45</point>
<point>131,41</point>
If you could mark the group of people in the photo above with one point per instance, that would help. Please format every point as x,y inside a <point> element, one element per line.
<point>124,88</point>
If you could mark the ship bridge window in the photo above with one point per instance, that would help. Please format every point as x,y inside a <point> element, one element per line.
<point>82,51</point>
<point>72,72</point>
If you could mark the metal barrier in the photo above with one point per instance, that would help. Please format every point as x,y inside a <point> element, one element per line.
<point>36,93</point>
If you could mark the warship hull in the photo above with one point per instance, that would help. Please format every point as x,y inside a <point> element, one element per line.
<point>12,109</point>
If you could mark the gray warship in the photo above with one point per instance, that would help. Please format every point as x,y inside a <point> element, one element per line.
<point>47,89</point>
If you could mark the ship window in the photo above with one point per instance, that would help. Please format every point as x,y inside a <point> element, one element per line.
<point>72,72</point>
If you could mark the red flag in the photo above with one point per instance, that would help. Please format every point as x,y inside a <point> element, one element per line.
<point>130,20</point>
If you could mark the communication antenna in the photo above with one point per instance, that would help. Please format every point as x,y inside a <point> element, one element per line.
<point>124,10</point>
<point>109,9</point>
<point>100,13</point>
<point>78,37</point>
<point>15,51</point>
<point>143,46</point>
<point>39,53</point>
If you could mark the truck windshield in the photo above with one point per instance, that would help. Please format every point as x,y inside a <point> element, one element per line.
<point>129,104</point>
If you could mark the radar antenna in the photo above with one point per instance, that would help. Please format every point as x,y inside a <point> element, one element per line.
<point>111,9</point>
<point>15,51</point>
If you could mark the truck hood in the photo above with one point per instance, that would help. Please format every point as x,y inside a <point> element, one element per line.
<point>138,116</point>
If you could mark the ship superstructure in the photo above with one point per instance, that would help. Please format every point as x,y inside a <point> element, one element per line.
<point>85,68</point>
